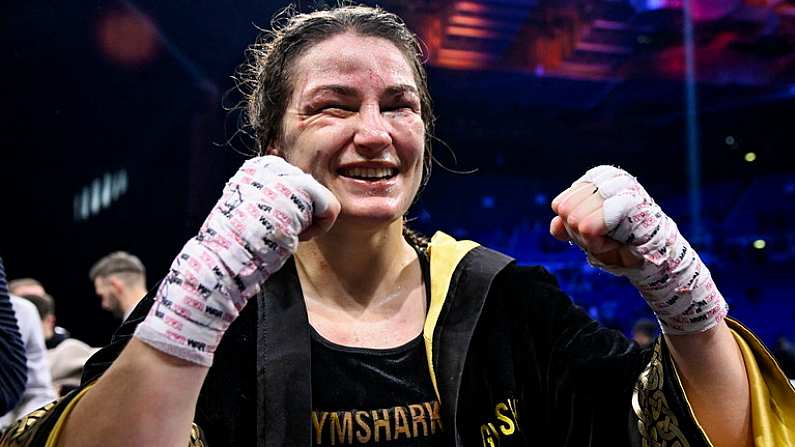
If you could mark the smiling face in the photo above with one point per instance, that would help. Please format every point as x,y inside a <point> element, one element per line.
<point>354,123</point>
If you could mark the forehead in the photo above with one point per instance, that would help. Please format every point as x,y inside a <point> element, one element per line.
<point>363,62</point>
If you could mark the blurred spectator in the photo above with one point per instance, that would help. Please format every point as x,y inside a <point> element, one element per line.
<point>12,352</point>
<point>644,332</point>
<point>66,356</point>
<point>120,281</point>
<point>25,286</point>
<point>38,389</point>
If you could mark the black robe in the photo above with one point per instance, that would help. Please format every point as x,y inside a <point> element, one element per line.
<point>514,363</point>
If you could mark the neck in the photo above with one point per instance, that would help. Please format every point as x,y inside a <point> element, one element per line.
<point>354,266</point>
<point>131,298</point>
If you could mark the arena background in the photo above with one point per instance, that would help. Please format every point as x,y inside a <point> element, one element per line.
<point>115,134</point>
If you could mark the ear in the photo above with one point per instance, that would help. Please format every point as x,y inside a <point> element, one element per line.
<point>116,284</point>
<point>50,319</point>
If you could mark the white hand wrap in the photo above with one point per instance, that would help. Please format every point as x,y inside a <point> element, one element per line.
<point>249,234</point>
<point>673,279</point>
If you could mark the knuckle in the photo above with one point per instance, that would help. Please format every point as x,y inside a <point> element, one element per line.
<point>589,229</point>
<point>572,220</point>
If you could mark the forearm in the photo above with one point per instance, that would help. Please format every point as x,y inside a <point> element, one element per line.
<point>145,398</point>
<point>623,231</point>
<point>713,375</point>
<point>149,394</point>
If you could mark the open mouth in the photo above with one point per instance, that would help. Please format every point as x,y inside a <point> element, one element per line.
<point>368,174</point>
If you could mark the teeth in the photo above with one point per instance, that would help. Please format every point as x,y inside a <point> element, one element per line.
<point>368,172</point>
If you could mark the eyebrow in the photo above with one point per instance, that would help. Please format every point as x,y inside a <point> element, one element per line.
<point>344,90</point>
<point>396,90</point>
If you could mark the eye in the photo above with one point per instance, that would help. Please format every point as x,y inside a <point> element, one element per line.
<point>400,107</point>
<point>336,110</point>
<point>342,107</point>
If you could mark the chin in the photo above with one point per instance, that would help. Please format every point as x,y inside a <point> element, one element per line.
<point>373,215</point>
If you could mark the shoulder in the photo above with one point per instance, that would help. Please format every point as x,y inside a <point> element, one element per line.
<point>517,284</point>
<point>24,308</point>
<point>72,347</point>
<point>532,282</point>
<point>27,317</point>
<point>532,295</point>
<point>535,275</point>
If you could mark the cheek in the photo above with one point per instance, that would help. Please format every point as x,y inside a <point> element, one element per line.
<point>412,150</point>
<point>311,145</point>
<point>410,130</point>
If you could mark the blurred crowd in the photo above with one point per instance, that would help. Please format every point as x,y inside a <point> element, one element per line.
<point>39,360</point>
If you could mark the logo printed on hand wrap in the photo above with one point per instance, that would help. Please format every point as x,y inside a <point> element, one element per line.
<point>673,279</point>
<point>247,236</point>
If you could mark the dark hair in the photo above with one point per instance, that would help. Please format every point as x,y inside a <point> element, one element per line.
<point>416,238</point>
<point>128,267</point>
<point>45,304</point>
<point>266,82</point>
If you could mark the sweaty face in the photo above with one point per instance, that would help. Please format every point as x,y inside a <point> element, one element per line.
<point>110,301</point>
<point>354,123</point>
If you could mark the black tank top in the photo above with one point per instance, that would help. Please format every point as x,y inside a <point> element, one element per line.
<point>375,397</point>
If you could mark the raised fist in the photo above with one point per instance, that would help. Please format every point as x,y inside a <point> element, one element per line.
<point>581,216</point>
<point>613,219</point>
<point>253,229</point>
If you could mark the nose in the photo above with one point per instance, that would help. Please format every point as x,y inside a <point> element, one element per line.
<point>372,134</point>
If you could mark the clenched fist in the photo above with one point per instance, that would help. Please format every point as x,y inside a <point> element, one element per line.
<point>580,219</point>
<point>613,219</point>
<point>266,207</point>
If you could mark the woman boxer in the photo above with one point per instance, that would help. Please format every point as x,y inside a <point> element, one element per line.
<point>302,314</point>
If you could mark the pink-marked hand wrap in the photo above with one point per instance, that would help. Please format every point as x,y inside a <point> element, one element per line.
<point>249,234</point>
<point>673,279</point>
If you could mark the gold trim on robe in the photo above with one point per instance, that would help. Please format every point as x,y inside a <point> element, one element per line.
<point>445,254</point>
<point>772,398</point>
